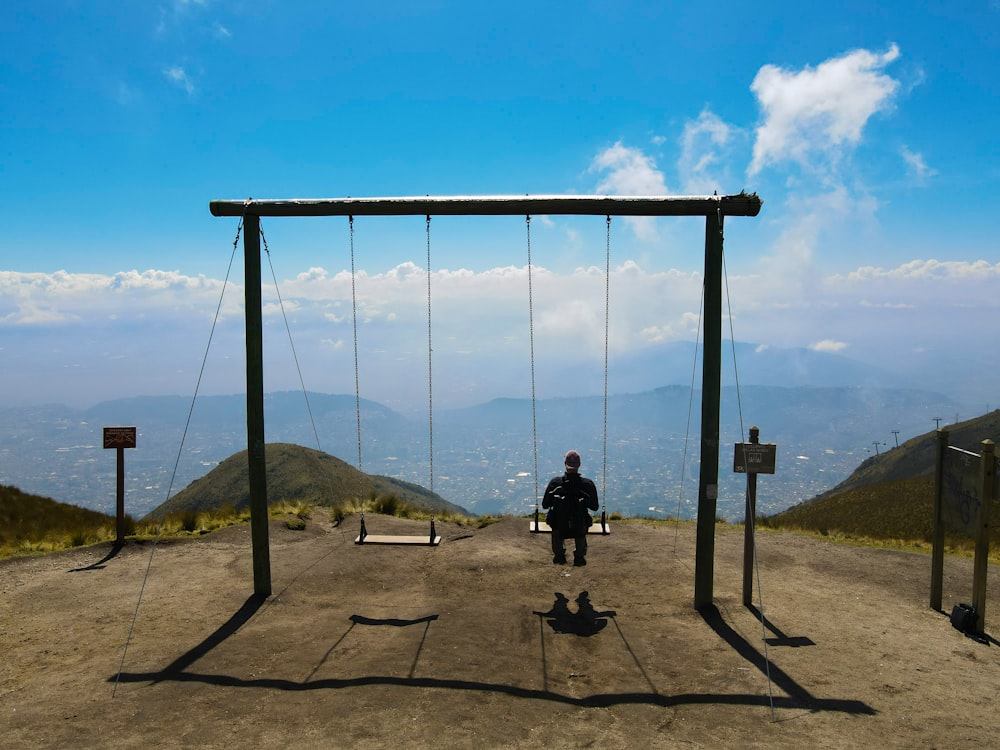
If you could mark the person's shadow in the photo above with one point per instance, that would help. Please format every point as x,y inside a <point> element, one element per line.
<point>586,621</point>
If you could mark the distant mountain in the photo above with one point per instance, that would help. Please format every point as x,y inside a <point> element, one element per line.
<point>297,474</point>
<point>755,364</point>
<point>489,458</point>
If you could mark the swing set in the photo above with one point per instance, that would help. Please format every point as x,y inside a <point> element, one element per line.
<point>714,208</point>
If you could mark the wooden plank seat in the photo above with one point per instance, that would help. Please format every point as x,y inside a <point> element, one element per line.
<point>428,540</point>
<point>600,526</point>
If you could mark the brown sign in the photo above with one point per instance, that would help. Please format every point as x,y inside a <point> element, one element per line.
<point>754,458</point>
<point>119,437</point>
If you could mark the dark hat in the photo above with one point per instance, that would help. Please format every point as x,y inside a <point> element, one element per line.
<point>573,460</point>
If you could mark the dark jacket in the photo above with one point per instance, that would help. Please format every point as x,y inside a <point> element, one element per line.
<point>568,499</point>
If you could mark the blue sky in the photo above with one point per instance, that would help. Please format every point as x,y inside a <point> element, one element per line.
<point>869,130</point>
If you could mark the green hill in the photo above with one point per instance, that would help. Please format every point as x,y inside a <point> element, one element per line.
<point>27,520</point>
<point>298,474</point>
<point>890,496</point>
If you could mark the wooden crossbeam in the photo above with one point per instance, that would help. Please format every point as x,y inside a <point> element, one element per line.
<point>742,204</point>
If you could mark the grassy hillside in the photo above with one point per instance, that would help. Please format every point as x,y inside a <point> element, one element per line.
<point>299,475</point>
<point>890,497</point>
<point>915,457</point>
<point>30,521</point>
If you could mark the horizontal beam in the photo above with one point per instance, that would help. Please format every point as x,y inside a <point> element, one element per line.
<point>744,204</point>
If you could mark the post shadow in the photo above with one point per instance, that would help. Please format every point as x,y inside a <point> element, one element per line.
<point>780,639</point>
<point>116,547</point>
<point>798,695</point>
<point>224,631</point>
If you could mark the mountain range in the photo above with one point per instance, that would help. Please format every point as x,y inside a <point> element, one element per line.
<point>489,458</point>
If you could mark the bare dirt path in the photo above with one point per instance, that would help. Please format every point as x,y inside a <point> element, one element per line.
<point>484,643</point>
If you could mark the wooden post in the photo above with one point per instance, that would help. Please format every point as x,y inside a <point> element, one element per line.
<point>711,388</point>
<point>981,563</point>
<point>749,522</point>
<point>120,499</point>
<point>120,438</point>
<point>255,407</point>
<point>937,539</point>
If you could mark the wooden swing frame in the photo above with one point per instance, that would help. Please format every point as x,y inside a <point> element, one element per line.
<point>713,207</point>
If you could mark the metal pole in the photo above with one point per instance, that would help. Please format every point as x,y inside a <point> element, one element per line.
<point>255,407</point>
<point>711,384</point>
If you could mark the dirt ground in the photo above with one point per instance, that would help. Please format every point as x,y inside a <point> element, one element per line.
<point>483,642</point>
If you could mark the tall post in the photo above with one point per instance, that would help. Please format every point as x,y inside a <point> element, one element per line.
<point>711,387</point>
<point>120,499</point>
<point>749,526</point>
<point>937,538</point>
<point>255,407</point>
<point>980,564</point>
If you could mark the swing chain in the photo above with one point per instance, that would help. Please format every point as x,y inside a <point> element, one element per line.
<point>607,316</point>
<point>354,318</point>
<point>531,346</point>
<point>430,367</point>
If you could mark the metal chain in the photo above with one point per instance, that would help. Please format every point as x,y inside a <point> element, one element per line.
<point>430,368</point>
<point>531,343</point>
<point>354,317</point>
<point>607,316</point>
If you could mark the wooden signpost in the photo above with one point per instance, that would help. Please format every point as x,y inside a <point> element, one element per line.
<point>120,438</point>
<point>752,458</point>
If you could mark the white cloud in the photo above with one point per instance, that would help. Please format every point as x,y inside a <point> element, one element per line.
<point>156,322</point>
<point>810,115</point>
<point>828,345</point>
<point>705,150</point>
<point>179,77</point>
<point>629,171</point>
<point>917,166</point>
<point>40,298</point>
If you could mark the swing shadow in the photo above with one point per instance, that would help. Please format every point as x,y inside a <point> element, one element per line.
<point>394,622</point>
<point>780,639</point>
<point>178,670</point>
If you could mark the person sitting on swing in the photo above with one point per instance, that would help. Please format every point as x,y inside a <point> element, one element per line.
<point>569,498</point>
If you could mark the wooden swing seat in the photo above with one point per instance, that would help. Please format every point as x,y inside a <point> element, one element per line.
<point>601,527</point>
<point>432,539</point>
<point>427,541</point>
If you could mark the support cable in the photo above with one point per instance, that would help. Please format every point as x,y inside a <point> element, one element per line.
<point>298,368</point>
<point>177,460</point>
<point>291,343</point>
<point>750,516</point>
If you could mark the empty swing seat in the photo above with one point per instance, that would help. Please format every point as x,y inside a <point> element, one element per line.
<point>432,539</point>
